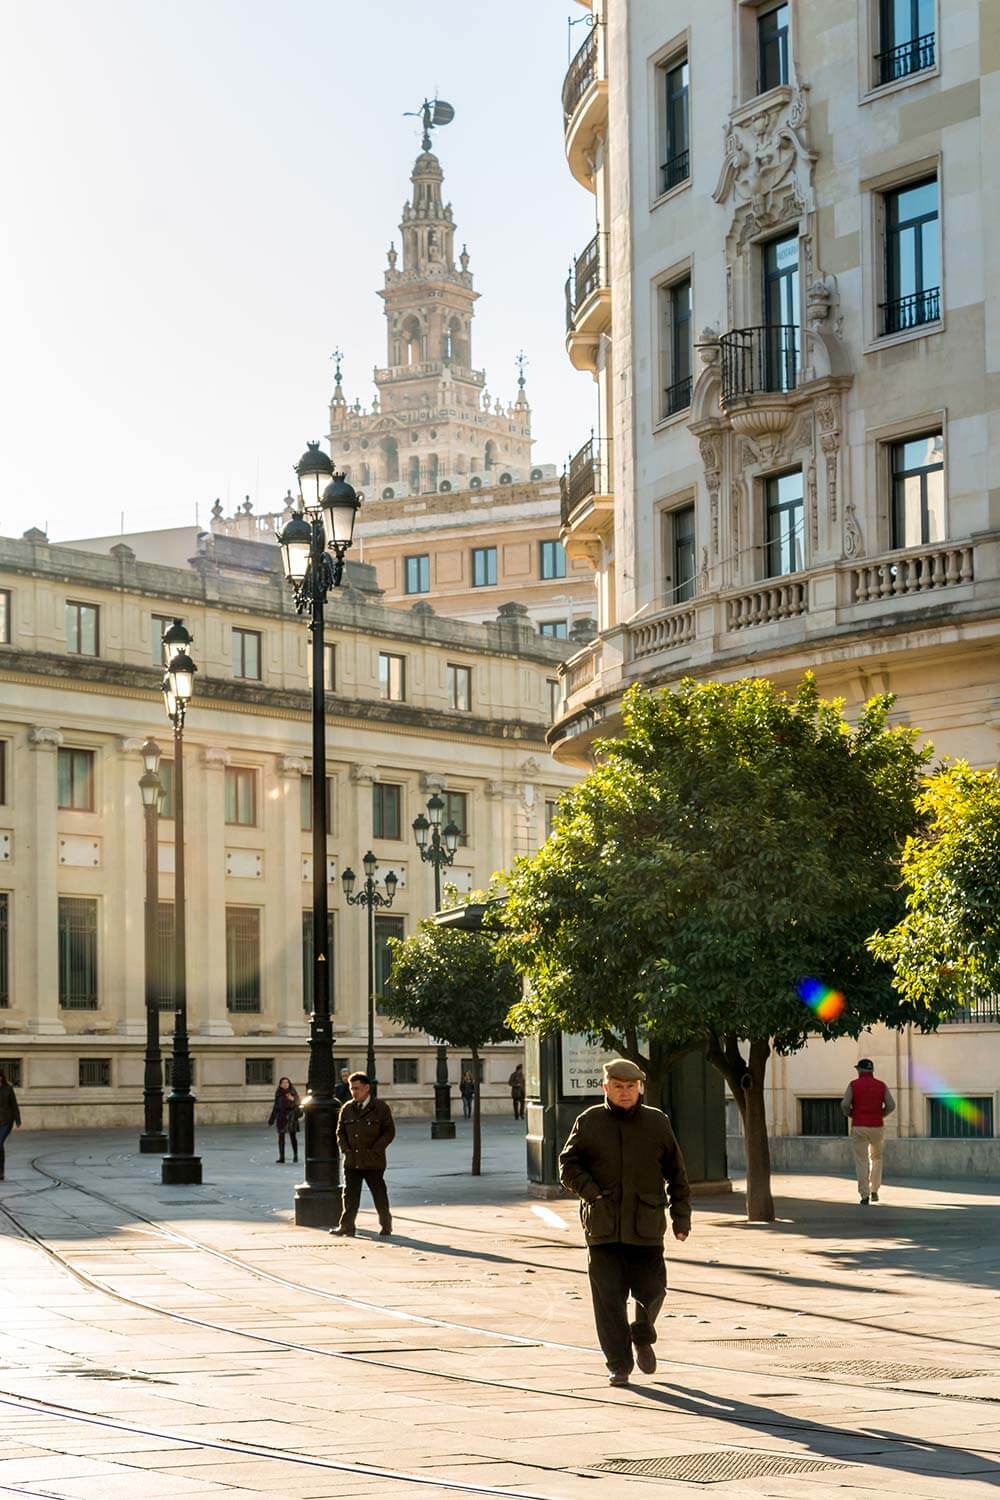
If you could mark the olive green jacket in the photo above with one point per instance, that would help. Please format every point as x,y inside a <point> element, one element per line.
<point>623,1163</point>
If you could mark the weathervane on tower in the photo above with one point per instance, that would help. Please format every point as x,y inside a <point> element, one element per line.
<point>432,112</point>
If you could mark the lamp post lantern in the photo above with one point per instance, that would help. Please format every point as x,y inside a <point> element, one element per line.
<point>370,897</point>
<point>438,847</point>
<point>313,544</point>
<point>152,1140</point>
<point>180,1164</point>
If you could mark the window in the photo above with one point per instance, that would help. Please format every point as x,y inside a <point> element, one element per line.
<point>772,48</point>
<point>784,504</point>
<point>75,778</point>
<point>781,312</point>
<point>77,953</point>
<point>392,676</point>
<point>682,554</point>
<point>305,804</point>
<point>975,1119</point>
<point>259,1071</point>
<point>466,1067</point>
<point>94,1072</point>
<point>418,574</point>
<point>917,467</point>
<point>81,629</point>
<point>241,796</point>
<point>10,1067</point>
<point>459,687</point>
<point>242,958</point>
<point>676,304</point>
<point>166,775</point>
<point>308,976</point>
<point>912,257</point>
<point>456,810</point>
<point>5,626</point>
<point>552,560</point>
<point>404,1070</point>
<point>168,1070</point>
<point>484,567</point>
<point>556,629</point>
<point>386,810</point>
<point>158,625</point>
<point>551,808</point>
<point>4,950</point>
<point>676,167</point>
<point>906,35</point>
<point>329,668</point>
<point>164,972</point>
<point>246,653</point>
<point>3,772</point>
<point>822,1117</point>
<point>554,691</point>
<point>385,928</point>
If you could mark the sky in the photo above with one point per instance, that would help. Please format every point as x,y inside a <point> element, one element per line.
<point>196,197</point>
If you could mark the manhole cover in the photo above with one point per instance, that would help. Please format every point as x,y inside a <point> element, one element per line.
<point>871,1369</point>
<point>772,1344</point>
<point>712,1468</point>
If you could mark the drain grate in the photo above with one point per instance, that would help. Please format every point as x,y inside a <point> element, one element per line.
<point>774,1343</point>
<point>872,1369</point>
<point>713,1468</point>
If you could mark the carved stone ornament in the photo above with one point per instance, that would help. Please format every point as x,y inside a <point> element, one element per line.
<point>44,737</point>
<point>293,765</point>
<point>854,543</point>
<point>215,758</point>
<point>811,505</point>
<point>710,457</point>
<point>767,162</point>
<point>360,773</point>
<point>830,444</point>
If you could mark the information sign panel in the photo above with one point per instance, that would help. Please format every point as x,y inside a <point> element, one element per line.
<point>582,1066</point>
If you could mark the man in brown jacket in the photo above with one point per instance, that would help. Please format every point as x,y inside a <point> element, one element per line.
<point>364,1130</point>
<point>618,1157</point>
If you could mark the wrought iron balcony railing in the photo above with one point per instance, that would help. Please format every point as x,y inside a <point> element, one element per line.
<point>912,311</point>
<point>676,170</point>
<point>976,1013</point>
<point>587,473</point>
<point>579,75</point>
<point>759,361</point>
<point>677,397</point>
<point>589,272</point>
<point>909,57</point>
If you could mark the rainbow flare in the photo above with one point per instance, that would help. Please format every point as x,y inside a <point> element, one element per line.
<point>824,1002</point>
<point>931,1083</point>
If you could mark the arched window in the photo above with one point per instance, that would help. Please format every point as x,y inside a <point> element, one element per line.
<point>455,343</point>
<point>432,471</point>
<point>415,474</point>
<point>491,455</point>
<point>365,477</point>
<point>390,459</point>
<point>411,342</point>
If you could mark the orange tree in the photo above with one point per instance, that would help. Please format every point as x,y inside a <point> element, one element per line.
<point>734,841</point>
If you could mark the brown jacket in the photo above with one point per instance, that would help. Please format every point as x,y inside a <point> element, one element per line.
<point>364,1134</point>
<point>618,1161</point>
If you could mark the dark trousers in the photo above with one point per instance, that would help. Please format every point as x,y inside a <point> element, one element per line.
<point>375,1178</point>
<point>5,1131</point>
<point>293,1138</point>
<point>616,1271</point>
<point>466,1106</point>
<point>518,1102</point>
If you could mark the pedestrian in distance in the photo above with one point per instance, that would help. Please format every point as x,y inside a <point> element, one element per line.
<point>10,1116</point>
<point>467,1089</point>
<point>365,1130</point>
<point>284,1117</point>
<point>866,1103</point>
<point>619,1157</point>
<point>516,1082</point>
<point>342,1090</point>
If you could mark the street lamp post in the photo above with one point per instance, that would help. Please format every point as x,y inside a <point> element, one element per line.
<point>323,525</point>
<point>152,1140</point>
<point>437,847</point>
<point>371,897</point>
<point>180,1164</point>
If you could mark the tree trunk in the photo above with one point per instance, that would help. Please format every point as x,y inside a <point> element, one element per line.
<point>760,1203</point>
<point>477,1126</point>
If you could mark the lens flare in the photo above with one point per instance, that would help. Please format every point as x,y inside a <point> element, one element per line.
<point>824,1002</point>
<point>931,1083</point>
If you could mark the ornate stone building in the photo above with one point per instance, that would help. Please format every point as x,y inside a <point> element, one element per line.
<point>415,704</point>
<point>791,316</point>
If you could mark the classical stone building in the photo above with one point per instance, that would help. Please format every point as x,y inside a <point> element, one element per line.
<point>456,512</point>
<point>790,311</point>
<point>415,704</point>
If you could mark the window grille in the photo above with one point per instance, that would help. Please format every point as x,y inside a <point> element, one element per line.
<point>308,988</point>
<point>822,1117</point>
<point>10,1067</point>
<point>242,958</point>
<point>385,928</point>
<point>77,953</point>
<point>94,1072</point>
<point>168,1071</point>
<point>974,1121</point>
<point>259,1071</point>
<point>404,1070</point>
<point>164,972</point>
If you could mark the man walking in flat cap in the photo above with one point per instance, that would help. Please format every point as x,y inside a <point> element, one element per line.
<point>618,1158</point>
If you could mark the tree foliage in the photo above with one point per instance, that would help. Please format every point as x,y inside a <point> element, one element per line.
<point>946,948</point>
<point>734,840</point>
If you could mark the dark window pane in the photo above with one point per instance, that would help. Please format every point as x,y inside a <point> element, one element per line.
<point>553,560</point>
<point>784,524</point>
<point>772,48</point>
<point>823,1117</point>
<point>484,566</point>
<point>677,161</point>
<point>456,810</point>
<point>913,257</point>
<point>386,810</point>
<point>242,958</point>
<point>10,1067</point>
<point>259,1071</point>
<point>385,928</point>
<point>94,1072</point>
<point>246,654</point>
<point>961,1118</point>
<point>918,491</point>
<point>3,771</point>
<point>418,574</point>
<point>308,965</point>
<point>556,629</point>
<point>683,546</point>
<point>404,1070</point>
<point>165,971</point>
<point>77,953</point>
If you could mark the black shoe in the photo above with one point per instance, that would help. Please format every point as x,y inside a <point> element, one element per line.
<point>645,1358</point>
<point>279,1161</point>
<point>347,1234</point>
<point>619,1377</point>
<point>874,1198</point>
<point>385,1231</point>
<point>864,1203</point>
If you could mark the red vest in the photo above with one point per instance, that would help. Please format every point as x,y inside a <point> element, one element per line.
<point>867,1098</point>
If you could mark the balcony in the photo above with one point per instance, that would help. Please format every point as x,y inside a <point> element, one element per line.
<point>904,313</point>
<point>769,603</point>
<point>910,57</point>
<point>901,574</point>
<point>586,481</point>
<point>427,368</point>
<point>588,304</point>
<point>675,171</point>
<point>760,370</point>
<point>585,106</point>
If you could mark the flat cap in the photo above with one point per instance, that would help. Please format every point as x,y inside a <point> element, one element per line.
<point>623,1070</point>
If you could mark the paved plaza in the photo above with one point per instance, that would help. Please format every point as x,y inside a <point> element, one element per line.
<point>192,1342</point>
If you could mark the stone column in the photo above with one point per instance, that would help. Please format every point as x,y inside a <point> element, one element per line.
<point>286,840</point>
<point>42,912</point>
<point>126,866</point>
<point>206,892</point>
<point>352,933</point>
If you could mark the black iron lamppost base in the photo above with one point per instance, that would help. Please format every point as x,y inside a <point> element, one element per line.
<point>153,1143</point>
<point>318,1207</point>
<point>442,1130</point>
<point>179,1170</point>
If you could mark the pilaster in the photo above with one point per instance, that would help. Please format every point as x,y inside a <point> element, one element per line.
<point>286,831</point>
<point>125,968</point>
<point>42,914</point>
<point>207,892</point>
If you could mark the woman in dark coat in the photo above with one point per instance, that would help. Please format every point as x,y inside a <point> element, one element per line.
<point>467,1089</point>
<point>10,1115</point>
<point>284,1117</point>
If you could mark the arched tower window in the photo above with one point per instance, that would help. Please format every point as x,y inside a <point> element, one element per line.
<point>390,459</point>
<point>456,346</point>
<point>432,471</point>
<point>490,458</point>
<point>415,474</point>
<point>411,340</point>
<point>365,476</point>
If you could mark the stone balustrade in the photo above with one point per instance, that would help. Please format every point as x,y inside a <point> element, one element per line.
<point>676,627</point>
<point>580,671</point>
<point>767,604</point>
<point>901,573</point>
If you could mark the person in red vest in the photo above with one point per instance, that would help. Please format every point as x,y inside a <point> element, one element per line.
<point>866,1103</point>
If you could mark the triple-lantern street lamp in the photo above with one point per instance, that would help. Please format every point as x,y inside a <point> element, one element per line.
<point>370,897</point>
<point>438,848</point>
<point>313,546</point>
